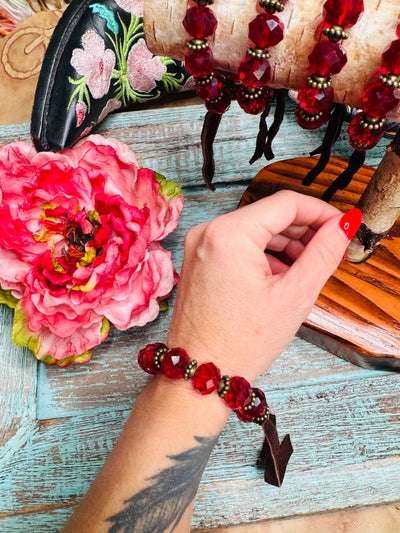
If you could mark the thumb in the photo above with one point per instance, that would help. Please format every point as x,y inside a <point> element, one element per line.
<point>323,253</point>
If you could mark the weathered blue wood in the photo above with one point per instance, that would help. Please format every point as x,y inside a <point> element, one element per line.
<point>55,434</point>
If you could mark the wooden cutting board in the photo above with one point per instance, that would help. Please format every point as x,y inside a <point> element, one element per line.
<point>357,315</point>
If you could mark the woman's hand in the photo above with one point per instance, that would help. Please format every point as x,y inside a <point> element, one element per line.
<point>238,305</point>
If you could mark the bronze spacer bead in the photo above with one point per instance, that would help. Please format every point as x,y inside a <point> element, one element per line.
<point>258,53</point>
<point>389,80</point>
<point>272,6</point>
<point>308,117</point>
<point>197,44</point>
<point>223,386</point>
<point>203,81</point>
<point>158,357</point>
<point>372,123</point>
<point>251,94</point>
<point>319,82</point>
<point>251,403</point>
<point>190,369</point>
<point>335,33</point>
<point>261,419</point>
<point>203,2</point>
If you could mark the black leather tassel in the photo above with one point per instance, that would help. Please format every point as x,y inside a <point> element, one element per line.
<point>331,136</point>
<point>262,135</point>
<point>209,131</point>
<point>341,182</point>
<point>278,117</point>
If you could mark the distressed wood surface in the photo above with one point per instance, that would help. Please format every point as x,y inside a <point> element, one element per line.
<point>58,425</point>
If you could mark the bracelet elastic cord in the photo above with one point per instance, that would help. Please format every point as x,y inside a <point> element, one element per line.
<point>248,403</point>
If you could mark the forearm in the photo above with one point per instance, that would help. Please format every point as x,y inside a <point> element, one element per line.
<point>151,477</point>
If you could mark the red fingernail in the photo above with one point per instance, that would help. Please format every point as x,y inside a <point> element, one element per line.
<point>350,222</point>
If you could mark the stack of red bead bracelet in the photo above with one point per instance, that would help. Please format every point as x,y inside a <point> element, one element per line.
<point>248,403</point>
<point>316,96</point>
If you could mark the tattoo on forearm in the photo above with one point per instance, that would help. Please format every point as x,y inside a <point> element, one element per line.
<point>161,505</point>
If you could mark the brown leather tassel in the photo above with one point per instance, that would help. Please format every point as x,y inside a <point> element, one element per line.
<point>210,127</point>
<point>275,456</point>
<point>331,135</point>
<point>278,117</point>
<point>262,135</point>
<point>341,182</point>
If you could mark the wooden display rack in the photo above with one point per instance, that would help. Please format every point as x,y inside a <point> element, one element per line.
<point>357,315</point>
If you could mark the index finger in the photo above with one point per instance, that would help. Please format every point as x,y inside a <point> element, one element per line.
<point>273,214</point>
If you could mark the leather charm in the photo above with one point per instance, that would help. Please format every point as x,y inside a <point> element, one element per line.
<point>275,456</point>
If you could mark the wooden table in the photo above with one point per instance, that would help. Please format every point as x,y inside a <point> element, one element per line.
<point>58,425</point>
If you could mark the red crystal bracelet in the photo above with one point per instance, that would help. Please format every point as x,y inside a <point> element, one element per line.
<point>249,404</point>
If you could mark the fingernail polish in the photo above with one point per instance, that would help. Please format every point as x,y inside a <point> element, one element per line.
<point>350,222</point>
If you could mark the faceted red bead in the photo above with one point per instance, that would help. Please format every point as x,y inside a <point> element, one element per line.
<point>327,58</point>
<point>362,138</point>
<point>378,100</point>
<point>309,124</point>
<point>146,357</point>
<point>266,30</point>
<point>253,106</point>
<point>220,104</point>
<point>212,89</point>
<point>343,13</point>
<point>206,378</point>
<point>314,100</point>
<point>391,58</point>
<point>199,62</point>
<point>174,363</point>
<point>256,411</point>
<point>199,22</point>
<point>253,72</point>
<point>238,393</point>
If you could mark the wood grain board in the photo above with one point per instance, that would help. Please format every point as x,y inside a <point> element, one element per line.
<point>357,314</point>
<point>58,425</point>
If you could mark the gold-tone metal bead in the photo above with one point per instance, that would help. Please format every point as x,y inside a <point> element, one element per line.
<point>223,386</point>
<point>251,403</point>
<point>371,123</point>
<point>335,33</point>
<point>251,94</point>
<point>190,369</point>
<point>389,80</point>
<point>203,2</point>
<point>258,53</point>
<point>203,81</point>
<point>197,44</point>
<point>272,6</point>
<point>319,82</point>
<point>159,356</point>
<point>261,419</point>
<point>308,117</point>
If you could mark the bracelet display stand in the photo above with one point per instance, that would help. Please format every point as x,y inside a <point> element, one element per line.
<point>357,315</point>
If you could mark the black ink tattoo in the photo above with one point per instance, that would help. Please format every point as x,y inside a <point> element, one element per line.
<point>162,505</point>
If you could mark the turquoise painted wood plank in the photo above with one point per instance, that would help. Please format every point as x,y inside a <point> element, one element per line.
<point>347,453</point>
<point>168,140</point>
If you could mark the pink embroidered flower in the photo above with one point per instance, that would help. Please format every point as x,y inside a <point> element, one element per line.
<point>80,110</point>
<point>132,6</point>
<point>144,69</point>
<point>95,62</point>
<point>112,105</point>
<point>80,234</point>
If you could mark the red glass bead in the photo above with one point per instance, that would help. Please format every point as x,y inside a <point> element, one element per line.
<point>266,30</point>
<point>146,357</point>
<point>206,378</point>
<point>362,138</point>
<point>220,104</point>
<point>174,363</point>
<point>378,100</point>
<point>212,88</point>
<point>238,393</point>
<point>260,405</point>
<point>314,100</point>
<point>199,62</point>
<point>343,13</point>
<point>313,124</point>
<point>327,58</point>
<point>253,72</point>
<point>255,105</point>
<point>391,58</point>
<point>199,22</point>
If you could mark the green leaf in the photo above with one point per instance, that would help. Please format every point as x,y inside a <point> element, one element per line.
<point>168,189</point>
<point>7,298</point>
